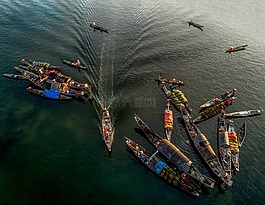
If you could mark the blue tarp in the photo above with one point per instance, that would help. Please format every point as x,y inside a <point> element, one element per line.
<point>159,166</point>
<point>51,94</point>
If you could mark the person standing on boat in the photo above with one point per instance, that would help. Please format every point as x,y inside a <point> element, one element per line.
<point>78,63</point>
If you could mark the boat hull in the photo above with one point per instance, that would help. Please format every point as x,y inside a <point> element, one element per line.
<point>107,129</point>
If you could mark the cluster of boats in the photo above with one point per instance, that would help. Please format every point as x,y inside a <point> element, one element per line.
<point>173,165</point>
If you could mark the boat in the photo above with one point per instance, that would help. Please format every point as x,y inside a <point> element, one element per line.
<point>180,95</point>
<point>73,64</point>
<point>235,49</point>
<point>97,27</point>
<point>234,146</point>
<point>218,99</point>
<point>163,170</point>
<point>160,79</point>
<point>168,121</point>
<point>107,129</point>
<point>203,146</point>
<point>247,113</point>
<point>38,65</point>
<point>242,134</point>
<point>50,94</point>
<point>224,146</point>
<point>213,111</point>
<point>173,154</point>
<point>175,101</point>
<point>191,23</point>
<point>15,76</point>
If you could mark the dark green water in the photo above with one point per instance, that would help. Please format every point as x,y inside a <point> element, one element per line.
<point>52,153</point>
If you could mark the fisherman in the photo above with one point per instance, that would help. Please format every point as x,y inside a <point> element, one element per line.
<point>231,49</point>
<point>77,63</point>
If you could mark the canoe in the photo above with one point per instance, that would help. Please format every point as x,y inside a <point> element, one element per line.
<point>191,23</point>
<point>234,146</point>
<point>97,27</point>
<point>213,111</point>
<point>73,64</point>
<point>162,170</point>
<point>180,95</point>
<point>107,129</point>
<point>218,99</point>
<point>224,146</point>
<point>242,134</point>
<point>173,154</point>
<point>38,65</point>
<point>203,146</point>
<point>175,101</point>
<point>168,121</point>
<point>247,113</point>
<point>160,79</point>
<point>234,49</point>
<point>50,94</point>
<point>15,76</point>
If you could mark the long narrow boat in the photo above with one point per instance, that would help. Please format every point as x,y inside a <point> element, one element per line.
<point>213,111</point>
<point>191,23</point>
<point>233,141</point>
<point>15,76</point>
<point>224,146</point>
<point>180,95</point>
<point>175,101</point>
<point>235,49</point>
<point>218,99</point>
<point>107,129</point>
<point>163,170</point>
<point>168,121</point>
<point>73,64</point>
<point>160,79</point>
<point>172,153</point>
<point>242,133</point>
<point>50,94</point>
<point>203,146</point>
<point>247,113</point>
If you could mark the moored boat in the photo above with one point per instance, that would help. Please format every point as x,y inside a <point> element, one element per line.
<point>218,99</point>
<point>50,94</point>
<point>160,79</point>
<point>107,129</point>
<point>234,49</point>
<point>15,76</point>
<point>180,95</point>
<point>233,141</point>
<point>175,101</point>
<point>73,64</point>
<point>163,170</point>
<point>247,113</point>
<point>172,153</point>
<point>168,121</point>
<point>242,134</point>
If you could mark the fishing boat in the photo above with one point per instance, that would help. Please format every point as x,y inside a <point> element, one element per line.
<point>233,141</point>
<point>191,23</point>
<point>168,121</point>
<point>224,146</point>
<point>247,113</point>
<point>15,76</point>
<point>173,154</point>
<point>235,49</point>
<point>203,146</point>
<point>95,26</point>
<point>162,169</point>
<point>242,134</point>
<point>38,65</point>
<point>175,101</point>
<point>213,111</point>
<point>75,65</point>
<point>160,79</point>
<point>50,94</point>
<point>180,95</point>
<point>107,129</point>
<point>218,99</point>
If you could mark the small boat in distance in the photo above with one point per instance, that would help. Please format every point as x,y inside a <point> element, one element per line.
<point>160,79</point>
<point>235,49</point>
<point>74,64</point>
<point>15,76</point>
<point>242,134</point>
<point>247,113</point>
<point>97,27</point>
<point>168,120</point>
<point>191,23</point>
<point>107,129</point>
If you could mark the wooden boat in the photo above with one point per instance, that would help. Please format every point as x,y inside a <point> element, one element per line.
<point>98,27</point>
<point>203,146</point>
<point>242,134</point>
<point>75,65</point>
<point>50,94</point>
<point>176,102</point>
<point>224,146</point>
<point>233,141</point>
<point>38,65</point>
<point>15,76</point>
<point>107,129</point>
<point>235,49</point>
<point>172,153</point>
<point>218,99</point>
<point>213,111</point>
<point>168,121</point>
<point>160,79</point>
<point>163,170</point>
<point>191,23</point>
<point>247,113</point>
<point>179,94</point>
